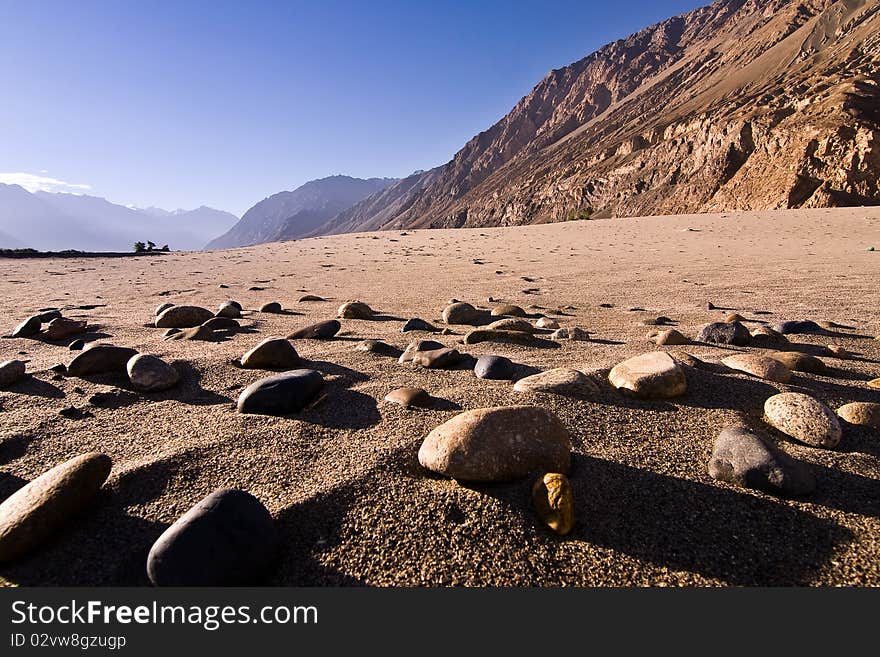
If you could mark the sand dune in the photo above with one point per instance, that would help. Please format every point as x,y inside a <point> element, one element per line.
<point>342,480</point>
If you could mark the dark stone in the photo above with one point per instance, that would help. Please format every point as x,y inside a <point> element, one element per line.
<point>100,358</point>
<point>183,317</point>
<point>320,331</point>
<point>743,458</point>
<point>804,326</point>
<point>271,307</point>
<point>77,345</point>
<point>227,539</point>
<point>222,324</point>
<point>28,328</point>
<point>48,315</point>
<point>281,394</point>
<point>437,358</point>
<point>725,333</point>
<point>493,367</point>
<point>416,324</point>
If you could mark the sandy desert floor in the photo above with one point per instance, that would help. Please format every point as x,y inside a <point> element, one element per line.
<point>342,480</point>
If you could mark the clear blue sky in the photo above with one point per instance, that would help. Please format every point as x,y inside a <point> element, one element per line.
<point>181,104</point>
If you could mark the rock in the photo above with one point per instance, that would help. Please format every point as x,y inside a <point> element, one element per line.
<point>798,362</point>
<point>59,368</point>
<point>461,313</point>
<point>183,317</point>
<point>804,326</point>
<point>670,337</point>
<point>271,307</point>
<point>11,371</point>
<point>28,328</point>
<point>229,309</point>
<point>35,512</point>
<point>547,323</point>
<point>355,310</point>
<point>281,394</point>
<point>320,331</point>
<point>61,327</point>
<point>311,297</point>
<point>570,333</point>
<point>509,310</point>
<point>710,305</point>
<point>493,335</point>
<point>161,308</point>
<point>47,316</point>
<point>493,367</point>
<point>416,324</point>
<point>150,373</point>
<point>409,397</point>
<point>804,418</point>
<point>511,324</point>
<point>874,383</point>
<point>100,358</point>
<point>656,321</point>
<point>766,337</point>
<point>652,375</point>
<point>172,331</point>
<point>272,354</point>
<point>745,459</point>
<point>77,345</point>
<point>417,346</point>
<point>437,358</point>
<point>553,502</point>
<point>497,444</point>
<point>863,413</point>
<point>725,333</point>
<point>558,381</point>
<point>763,367</point>
<point>222,324</point>
<point>839,352</point>
<point>734,317</point>
<point>377,347</point>
<point>195,333</point>
<point>227,539</point>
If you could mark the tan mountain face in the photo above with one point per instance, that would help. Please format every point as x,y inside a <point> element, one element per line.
<point>744,104</point>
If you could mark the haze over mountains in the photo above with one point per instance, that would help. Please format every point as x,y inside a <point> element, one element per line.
<point>55,222</point>
<point>289,215</point>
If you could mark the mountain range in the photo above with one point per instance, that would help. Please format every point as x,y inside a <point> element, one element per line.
<point>54,222</point>
<point>289,215</point>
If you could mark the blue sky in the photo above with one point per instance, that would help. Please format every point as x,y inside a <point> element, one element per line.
<point>181,104</point>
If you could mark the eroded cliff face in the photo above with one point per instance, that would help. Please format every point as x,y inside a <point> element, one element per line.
<point>744,104</point>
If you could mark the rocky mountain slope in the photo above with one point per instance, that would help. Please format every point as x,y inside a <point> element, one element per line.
<point>743,104</point>
<point>288,215</point>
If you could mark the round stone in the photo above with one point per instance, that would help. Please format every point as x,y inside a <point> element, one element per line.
<point>150,373</point>
<point>229,309</point>
<point>416,324</point>
<point>416,346</point>
<point>409,397</point>
<point>804,418</point>
<point>725,333</point>
<point>743,458</point>
<point>475,336</point>
<point>377,347</point>
<point>652,375</point>
<point>734,317</point>
<point>311,297</point>
<point>282,394</point>
<point>801,326</point>
<point>222,324</point>
<point>202,332</point>
<point>497,444</point>
<point>28,328</point>
<point>62,327</point>
<point>271,307</point>
<point>183,317</point>
<point>461,313</point>
<point>558,381</point>
<point>511,324</point>
<point>77,345</point>
<point>35,512</point>
<point>227,539</point>
<point>570,333</point>
<point>508,310</point>
<point>798,362</point>
<point>862,413</point>
<point>762,367</point>
<point>767,338</point>
<point>162,307</point>
<point>272,354</point>
<point>99,359</point>
<point>547,323</point>
<point>355,310</point>
<point>47,316</point>
<point>437,358</point>
<point>670,337</point>
<point>554,502</point>
<point>494,367</point>
<point>320,331</point>
<point>11,371</point>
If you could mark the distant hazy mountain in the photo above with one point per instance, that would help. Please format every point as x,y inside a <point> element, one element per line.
<point>289,215</point>
<point>54,222</point>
